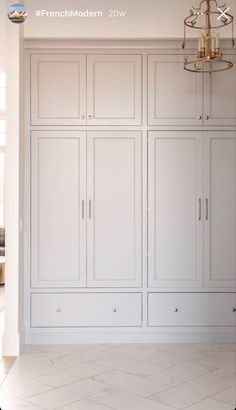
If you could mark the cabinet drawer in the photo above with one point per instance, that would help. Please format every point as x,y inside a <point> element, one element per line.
<point>86,309</point>
<point>191,309</point>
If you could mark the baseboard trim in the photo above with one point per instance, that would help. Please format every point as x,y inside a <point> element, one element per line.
<point>100,337</point>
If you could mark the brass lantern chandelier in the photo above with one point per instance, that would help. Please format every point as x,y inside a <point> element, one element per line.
<point>209,18</point>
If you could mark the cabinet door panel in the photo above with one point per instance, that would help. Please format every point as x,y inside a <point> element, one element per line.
<point>175,231</point>
<point>220,226</point>
<point>58,84</point>
<point>220,97</point>
<point>58,229</point>
<point>114,89</point>
<point>174,95</point>
<point>114,223</point>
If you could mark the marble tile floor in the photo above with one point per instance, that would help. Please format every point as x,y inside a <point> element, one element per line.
<point>122,377</point>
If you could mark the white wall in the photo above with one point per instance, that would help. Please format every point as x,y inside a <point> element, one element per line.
<point>2,34</point>
<point>144,19</point>
<point>14,185</point>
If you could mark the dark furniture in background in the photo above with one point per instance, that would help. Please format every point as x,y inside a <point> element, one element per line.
<point>2,241</point>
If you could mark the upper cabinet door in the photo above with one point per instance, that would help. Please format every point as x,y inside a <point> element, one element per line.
<point>58,86</point>
<point>114,224</point>
<point>220,213</point>
<point>220,97</point>
<point>175,209</point>
<point>114,87</point>
<point>58,219</point>
<point>174,95</point>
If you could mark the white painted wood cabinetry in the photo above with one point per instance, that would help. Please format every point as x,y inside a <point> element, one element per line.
<point>174,96</point>
<point>58,89</point>
<point>191,211</point>
<point>220,209</point>
<point>220,97</point>
<point>114,227</point>
<point>72,89</point>
<point>114,89</point>
<point>174,217</point>
<point>132,197</point>
<point>108,207</point>
<point>58,189</point>
<point>177,97</point>
<point>191,309</point>
<point>86,309</point>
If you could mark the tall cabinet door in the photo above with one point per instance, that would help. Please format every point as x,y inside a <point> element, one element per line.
<point>175,209</point>
<point>58,220</point>
<point>114,193</point>
<point>174,95</point>
<point>220,97</point>
<point>114,87</point>
<point>220,213</point>
<point>58,89</point>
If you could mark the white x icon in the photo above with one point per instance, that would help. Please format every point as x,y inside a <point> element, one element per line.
<point>223,13</point>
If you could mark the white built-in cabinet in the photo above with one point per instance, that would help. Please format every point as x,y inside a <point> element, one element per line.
<point>192,209</point>
<point>174,96</point>
<point>220,97</point>
<point>58,89</point>
<point>72,89</point>
<point>219,150</point>
<point>114,192</point>
<point>114,89</point>
<point>58,192</point>
<point>132,194</point>
<point>86,209</point>
<point>174,192</point>
<point>191,309</point>
<point>180,98</point>
<point>86,309</point>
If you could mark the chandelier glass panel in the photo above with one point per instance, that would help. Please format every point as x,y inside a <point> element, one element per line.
<point>209,18</point>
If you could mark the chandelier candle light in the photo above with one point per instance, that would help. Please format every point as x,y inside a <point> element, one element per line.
<point>208,18</point>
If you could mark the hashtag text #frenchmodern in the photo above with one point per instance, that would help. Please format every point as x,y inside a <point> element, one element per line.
<point>68,13</point>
